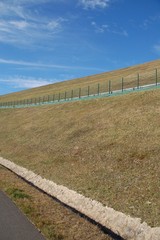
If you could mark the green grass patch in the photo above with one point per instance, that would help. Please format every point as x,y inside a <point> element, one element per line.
<point>16,193</point>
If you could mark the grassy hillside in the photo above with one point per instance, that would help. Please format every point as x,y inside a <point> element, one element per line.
<point>146,74</point>
<point>107,149</point>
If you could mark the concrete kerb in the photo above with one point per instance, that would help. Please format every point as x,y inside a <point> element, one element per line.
<point>125,226</point>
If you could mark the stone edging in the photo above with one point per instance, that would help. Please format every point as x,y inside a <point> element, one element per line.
<point>125,226</point>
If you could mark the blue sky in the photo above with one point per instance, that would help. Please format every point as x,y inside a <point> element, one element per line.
<point>47,41</point>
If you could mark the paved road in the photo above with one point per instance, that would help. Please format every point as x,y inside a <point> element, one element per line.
<point>13,224</point>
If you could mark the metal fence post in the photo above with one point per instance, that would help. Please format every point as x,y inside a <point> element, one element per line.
<point>138,81</point>
<point>98,88</point>
<point>156,77</point>
<point>88,90</point>
<point>122,84</point>
<point>72,94</point>
<point>79,92</point>
<point>109,86</point>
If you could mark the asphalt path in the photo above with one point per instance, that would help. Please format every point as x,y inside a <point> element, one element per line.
<point>13,224</point>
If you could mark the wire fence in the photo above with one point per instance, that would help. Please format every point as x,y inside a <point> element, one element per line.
<point>127,83</point>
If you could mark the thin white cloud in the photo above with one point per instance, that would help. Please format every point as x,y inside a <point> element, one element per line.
<point>157,48</point>
<point>148,22</point>
<point>26,82</point>
<point>8,8</point>
<point>22,24</point>
<point>19,24</point>
<point>92,4</point>
<point>42,65</point>
<point>110,29</point>
<point>27,32</point>
<point>99,29</point>
<point>121,32</point>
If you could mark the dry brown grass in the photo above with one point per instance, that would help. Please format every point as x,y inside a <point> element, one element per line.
<point>107,149</point>
<point>147,75</point>
<point>54,221</point>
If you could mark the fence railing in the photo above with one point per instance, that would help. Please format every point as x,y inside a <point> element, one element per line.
<point>127,83</point>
